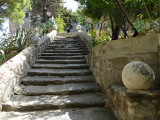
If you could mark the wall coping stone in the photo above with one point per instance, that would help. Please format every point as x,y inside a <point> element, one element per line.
<point>121,89</point>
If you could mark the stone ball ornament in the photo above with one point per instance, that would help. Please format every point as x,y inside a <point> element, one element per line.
<point>78,27</point>
<point>55,27</point>
<point>138,75</point>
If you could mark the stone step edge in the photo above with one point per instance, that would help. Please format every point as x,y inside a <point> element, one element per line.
<point>47,102</point>
<point>77,88</point>
<point>34,80</point>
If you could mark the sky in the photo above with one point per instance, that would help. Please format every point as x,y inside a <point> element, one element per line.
<point>5,27</point>
<point>71,4</point>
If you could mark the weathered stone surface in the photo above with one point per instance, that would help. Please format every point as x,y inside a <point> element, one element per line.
<point>62,57</point>
<point>134,104</point>
<point>49,36</point>
<point>60,89</point>
<point>138,75</point>
<point>58,72</point>
<point>64,114</point>
<point>44,102</point>
<point>68,61</point>
<point>12,70</point>
<point>45,80</point>
<point>107,61</point>
<point>66,51</point>
<point>61,54</point>
<point>32,39</point>
<point>51,48</point>
<point>62,66</point>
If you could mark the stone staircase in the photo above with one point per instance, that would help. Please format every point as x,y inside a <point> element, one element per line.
<point>59,86</point>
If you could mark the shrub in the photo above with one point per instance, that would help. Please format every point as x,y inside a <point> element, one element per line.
<point>60,23</point>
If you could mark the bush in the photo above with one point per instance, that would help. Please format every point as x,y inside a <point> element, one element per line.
<point>60,23</point>
<point>97,41</point>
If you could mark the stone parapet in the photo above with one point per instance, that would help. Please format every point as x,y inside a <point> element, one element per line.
<point>17,67</point>
<point>134,104</point>
<point>108,59</point>
<point>87,40</point>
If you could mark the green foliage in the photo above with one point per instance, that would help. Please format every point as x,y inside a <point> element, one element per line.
<point>104,38</point>
<point>80,16</point>
<point>51,6</point>
<point>92,32</point>
<point>7,46</point>
<point>118,20</point>
<point>2,56</point>
<point>97,40</point>
<point>49,25</point>
<point>12,45</point>
<point>14,10</point>
<point>68,17</point>
<point>45,28</point>
<point>60,23</point>
<point>21,39</point>
<point>41,27</point>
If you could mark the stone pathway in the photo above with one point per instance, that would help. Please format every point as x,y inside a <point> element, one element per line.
<point>60,86</point>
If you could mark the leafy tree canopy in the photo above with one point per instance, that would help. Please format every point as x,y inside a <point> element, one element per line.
<point>14,10</point>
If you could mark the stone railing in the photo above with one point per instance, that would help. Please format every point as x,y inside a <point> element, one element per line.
<point>17,67</point>
<point>86,39</point>
<point>107,61</point>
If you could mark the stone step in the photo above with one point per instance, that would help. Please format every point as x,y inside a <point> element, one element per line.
<point>61,54</point>
<point>63,114</point>
<point>61,66</point>
<point>66,44</point>
<point>61,57</point>
<point>67,41</point>
<point>46,102</point>
<point>58,72</point>
<point>66,51</point>
<point>46,80</point>
<point>64,89</point>
<point>62,61</point>
<point>63,45</point>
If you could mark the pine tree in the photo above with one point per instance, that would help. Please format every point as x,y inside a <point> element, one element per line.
<point>14,10</point>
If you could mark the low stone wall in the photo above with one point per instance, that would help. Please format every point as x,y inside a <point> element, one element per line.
<point>134,104</point>
<point>87,40</point>
<point>108,59</point>
<point>17,67</point>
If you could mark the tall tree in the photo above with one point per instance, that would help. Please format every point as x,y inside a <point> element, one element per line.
<point>122,13</point>
<point>14,10</point>
<point>68,16</point>
<point>46,8</point>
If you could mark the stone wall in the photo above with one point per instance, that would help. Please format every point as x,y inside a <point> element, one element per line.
<point>17,67</point>
<point>107,61</point>
<point>134,104</point>
<point>86,39</point>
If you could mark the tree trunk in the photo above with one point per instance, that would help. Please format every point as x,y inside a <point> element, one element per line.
<point>125,14</point>
<point>116,32</point>
<point>125,32</point>
<point>45,14</point>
